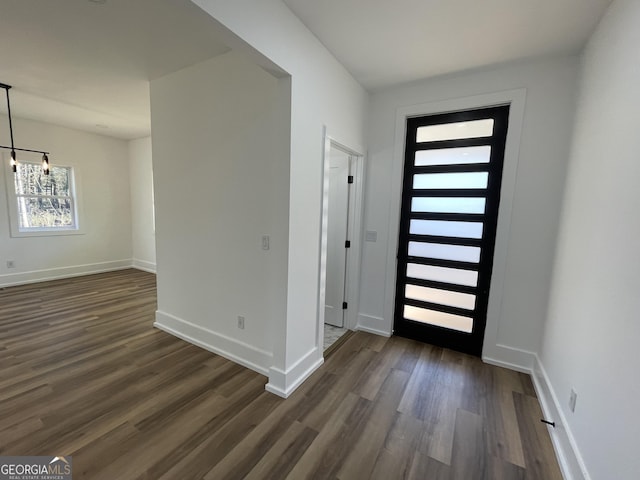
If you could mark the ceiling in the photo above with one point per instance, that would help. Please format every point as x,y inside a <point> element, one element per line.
<point>86,64</point>
<point>386,42</point>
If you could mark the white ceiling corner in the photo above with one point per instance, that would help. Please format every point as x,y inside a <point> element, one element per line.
<point>384,42</point>
<point>88,65</point>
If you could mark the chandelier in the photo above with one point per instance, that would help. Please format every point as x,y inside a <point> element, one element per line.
<point>13,148</point>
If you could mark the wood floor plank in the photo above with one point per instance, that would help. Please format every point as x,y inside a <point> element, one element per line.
<point>502,430</point>
<point>396,457</point>
<point>91,459</point>
<point>328,449</point>
<point>364,451</point>
<point>323,401</point>
<point>212,443</point>
<point>19,430</point>
<point>422,381</point>
<point>538,453</point>
<point>470,458</point>
<point>246,455</point>
<point>84,373</point>
<point>436,400</point>
<point>284,453</point>
<point>389,465</point>
<point>376,372</point>
<point>424,467</point>
<point>146,449</point>
<point>501,470</point>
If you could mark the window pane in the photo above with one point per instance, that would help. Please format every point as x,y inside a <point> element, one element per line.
<point>453,156</point>
<point>451,180</point>
<point>457,253</point>
<point>455,276</point>
<point>446,229</point>
<point>29,180</point>
<point>454,131</point>
<point>60,178</point>
<point>447,320</point>
<point>441,297</point>
<point>38,212</point>
<point>448,204</point>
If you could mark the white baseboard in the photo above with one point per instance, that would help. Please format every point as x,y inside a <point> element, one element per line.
<point>283,383</point>
<point>569,458</point>
<point>246,355</point>
<point>34,276</point>
<point>509,357</point>
<point>143,265</point>
<point>375,331</point>
<point>372,324</point>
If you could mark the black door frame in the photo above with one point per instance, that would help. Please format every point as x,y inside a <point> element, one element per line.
<point>469,343</point>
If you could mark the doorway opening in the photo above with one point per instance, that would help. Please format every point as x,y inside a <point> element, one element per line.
<point>448,221</point>
<point>340,253</point>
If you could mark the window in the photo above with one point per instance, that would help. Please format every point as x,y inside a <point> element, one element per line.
<point>42,204</point>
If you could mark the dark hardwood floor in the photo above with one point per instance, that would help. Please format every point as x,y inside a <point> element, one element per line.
<point>84,373</point>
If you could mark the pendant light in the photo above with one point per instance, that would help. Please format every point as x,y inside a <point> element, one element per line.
<point>14,159</point>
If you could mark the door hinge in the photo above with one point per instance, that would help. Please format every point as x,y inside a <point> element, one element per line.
<point>347,244</point>
<point>344,305</point>
<point>350,179</point>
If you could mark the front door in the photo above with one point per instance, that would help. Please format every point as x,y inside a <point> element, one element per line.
<point>450,199</point>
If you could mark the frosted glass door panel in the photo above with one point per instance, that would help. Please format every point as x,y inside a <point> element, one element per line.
<point>441,297</point>
<point>455,131</point>
<point>450,197</point>
<point>471,180</point>
<point>448,204</point>
<point>457,253</point>
<point>455,276</point>
<point>441,319</point>
<point>453,156</point>
<point>443,228</point>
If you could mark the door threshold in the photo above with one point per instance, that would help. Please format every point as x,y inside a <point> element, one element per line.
<point>337,344</point>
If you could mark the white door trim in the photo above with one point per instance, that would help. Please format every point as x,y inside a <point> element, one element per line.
<point>516,98</point>
<point>356,216</point>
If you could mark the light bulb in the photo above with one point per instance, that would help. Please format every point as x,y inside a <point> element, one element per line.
<point>45,164</point>
<point>14,162</point>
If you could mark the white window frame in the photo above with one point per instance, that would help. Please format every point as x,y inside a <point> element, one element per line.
<point>12,201</point>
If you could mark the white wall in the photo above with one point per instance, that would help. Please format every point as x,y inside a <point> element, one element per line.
<point>143,235</point>
<point>102,176</point>
<point>593,326</point>
<point>323,94</point>
<point>540,159</point>
<point>221,182</point>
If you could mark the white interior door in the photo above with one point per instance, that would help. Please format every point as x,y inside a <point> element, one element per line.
<point>337,232</point>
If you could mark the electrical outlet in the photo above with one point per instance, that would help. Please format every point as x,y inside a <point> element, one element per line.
<point>572,400</point>
<point>240,322</point>
<point>11,264</point>
<point>265,242</point>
